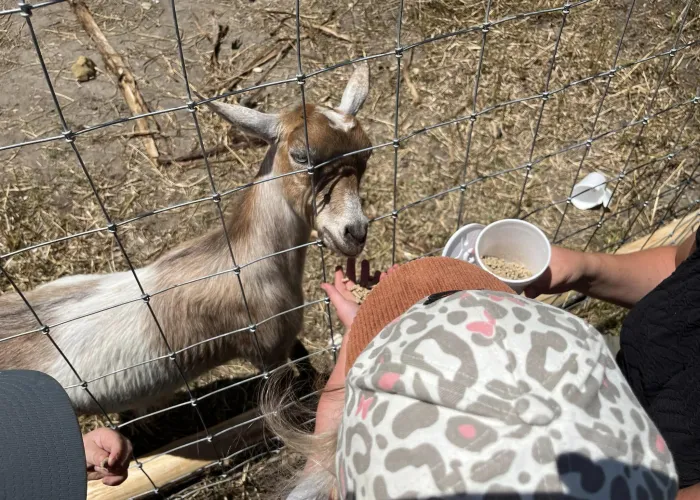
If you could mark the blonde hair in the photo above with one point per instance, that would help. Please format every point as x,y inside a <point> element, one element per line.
<point>289,418</point>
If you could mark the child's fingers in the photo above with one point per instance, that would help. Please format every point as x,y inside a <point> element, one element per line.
<point>116,445</point>
<point>334,294</point>
<point>388,272</point>
<point>342,286</point>
<point>338,279</point>
<point>114,480</point>
<point>96,456</point>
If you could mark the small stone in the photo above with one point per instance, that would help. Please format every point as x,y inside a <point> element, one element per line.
<point>506,269</point>
<point>146,5</point>
<point>84,69</point>
<point>257,70</point>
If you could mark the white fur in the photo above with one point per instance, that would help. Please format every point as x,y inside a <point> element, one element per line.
<point>338,121</point>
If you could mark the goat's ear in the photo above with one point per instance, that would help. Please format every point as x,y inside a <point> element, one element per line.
<point>263,125</point>
<point>356,90</point>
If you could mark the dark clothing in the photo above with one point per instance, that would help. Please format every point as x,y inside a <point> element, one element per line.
<point>660,356</point>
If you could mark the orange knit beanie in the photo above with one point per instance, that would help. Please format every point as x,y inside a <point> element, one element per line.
<point>411,282</point>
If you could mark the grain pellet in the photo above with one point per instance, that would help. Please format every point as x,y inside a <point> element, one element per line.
<point>506,269</point>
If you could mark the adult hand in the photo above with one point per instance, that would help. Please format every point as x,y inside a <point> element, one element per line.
<point>107,455</point>
<point>566,271</point>
<point>340,291</point>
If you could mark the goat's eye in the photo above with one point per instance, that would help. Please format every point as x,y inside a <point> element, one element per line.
<point>299,156</point>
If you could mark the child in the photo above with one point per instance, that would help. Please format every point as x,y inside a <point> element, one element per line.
<point>448,385</point>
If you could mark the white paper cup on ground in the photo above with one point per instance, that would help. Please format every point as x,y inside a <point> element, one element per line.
<point>591,192</point>
<point>516,241</point>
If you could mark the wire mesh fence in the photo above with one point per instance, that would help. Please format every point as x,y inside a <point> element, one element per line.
<point>652,181</point>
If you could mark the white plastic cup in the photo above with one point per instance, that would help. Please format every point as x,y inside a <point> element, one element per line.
<point>591,192</point>
<point>514,240</point>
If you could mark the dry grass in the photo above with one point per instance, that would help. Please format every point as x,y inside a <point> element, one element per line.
<point>44,194</point>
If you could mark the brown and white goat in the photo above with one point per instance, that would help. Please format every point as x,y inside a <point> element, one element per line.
<point>263,219</point>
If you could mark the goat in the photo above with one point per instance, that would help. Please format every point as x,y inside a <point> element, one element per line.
<point>263,219</point>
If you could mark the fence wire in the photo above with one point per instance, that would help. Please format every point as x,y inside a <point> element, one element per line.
<point>671,208</point>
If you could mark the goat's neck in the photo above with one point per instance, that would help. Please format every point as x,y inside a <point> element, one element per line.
<point>260,221</point>
<point>269,221</point>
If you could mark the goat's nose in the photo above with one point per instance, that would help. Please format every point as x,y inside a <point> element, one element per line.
<point>357,231</point>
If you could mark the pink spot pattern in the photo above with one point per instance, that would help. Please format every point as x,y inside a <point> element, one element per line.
<point>660,444</point>
<point>467,431</point>
<point>387,381</point>
<point>363,406</point>
<point>482,327</point>
<point>485,328</point>
<point>496,298</point>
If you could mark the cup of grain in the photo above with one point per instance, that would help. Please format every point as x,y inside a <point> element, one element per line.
<point>514,251</point>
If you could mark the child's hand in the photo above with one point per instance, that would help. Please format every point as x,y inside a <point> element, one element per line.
<point>107,455</point>
<point>339,292</point>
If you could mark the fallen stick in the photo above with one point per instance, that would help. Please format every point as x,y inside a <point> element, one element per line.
<point>244,142</point>
<point>120,70</point>
<point>251,97</point>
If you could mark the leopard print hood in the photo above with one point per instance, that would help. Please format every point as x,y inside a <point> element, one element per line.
<point>482,394</point>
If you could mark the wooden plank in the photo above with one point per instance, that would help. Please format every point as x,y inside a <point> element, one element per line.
<point>673,233</point>
<point>190,459</point>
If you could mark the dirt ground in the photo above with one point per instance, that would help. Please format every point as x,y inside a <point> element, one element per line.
<point>44,194</point>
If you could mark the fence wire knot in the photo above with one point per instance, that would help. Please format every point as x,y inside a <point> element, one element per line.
<point>69,136</point>
<point>25,9</point>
